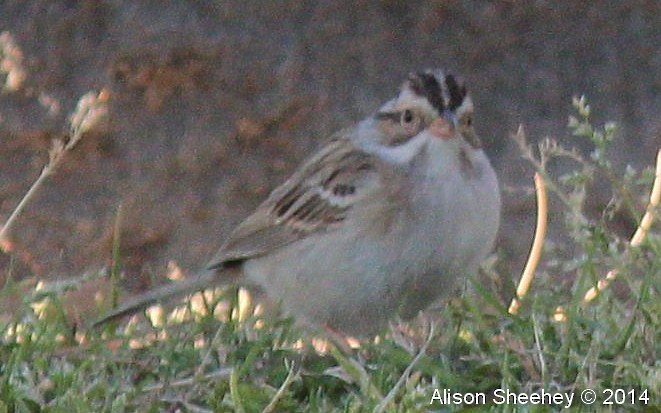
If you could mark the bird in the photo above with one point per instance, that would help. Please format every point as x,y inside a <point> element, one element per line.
<point>387,217</point>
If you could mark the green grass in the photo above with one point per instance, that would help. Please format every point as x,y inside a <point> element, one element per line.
<point>472,345</point>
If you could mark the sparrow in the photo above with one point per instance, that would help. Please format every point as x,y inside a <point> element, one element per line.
<point>387,217</point>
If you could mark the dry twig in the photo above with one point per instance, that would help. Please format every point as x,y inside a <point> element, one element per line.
<point>91,108</point>
<point>537,245</point>
<point>638,236</point>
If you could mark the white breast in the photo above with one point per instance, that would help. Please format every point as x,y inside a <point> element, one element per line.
<point>357,277</point>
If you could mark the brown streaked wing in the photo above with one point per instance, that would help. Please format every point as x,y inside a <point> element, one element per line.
<point>317,197</point>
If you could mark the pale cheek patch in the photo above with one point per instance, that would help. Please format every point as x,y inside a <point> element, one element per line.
<point>401,154</point>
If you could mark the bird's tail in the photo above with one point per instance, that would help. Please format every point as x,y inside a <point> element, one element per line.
<point>167,292</point>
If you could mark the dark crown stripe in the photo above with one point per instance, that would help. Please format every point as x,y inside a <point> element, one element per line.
<point>456,92</point>
<point>427,86</point>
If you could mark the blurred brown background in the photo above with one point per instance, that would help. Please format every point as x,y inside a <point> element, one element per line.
<point>213,103</point>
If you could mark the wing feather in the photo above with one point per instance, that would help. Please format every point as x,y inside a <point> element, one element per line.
<point>317,197</point>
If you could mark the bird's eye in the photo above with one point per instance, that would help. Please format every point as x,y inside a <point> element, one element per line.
<point>407,116</point>
<point>469,121</point>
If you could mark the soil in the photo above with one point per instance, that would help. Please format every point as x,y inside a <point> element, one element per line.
<point>212,104</point>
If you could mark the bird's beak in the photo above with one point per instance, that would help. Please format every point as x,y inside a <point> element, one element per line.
<point>451,117</point>
<point>445,126</point>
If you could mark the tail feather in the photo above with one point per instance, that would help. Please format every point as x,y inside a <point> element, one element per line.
<point>167,292</point>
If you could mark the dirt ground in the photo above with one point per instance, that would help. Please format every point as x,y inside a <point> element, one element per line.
<point>213,103</point>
